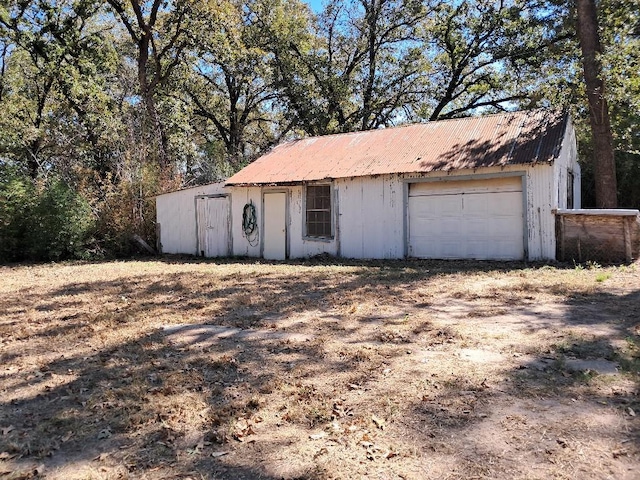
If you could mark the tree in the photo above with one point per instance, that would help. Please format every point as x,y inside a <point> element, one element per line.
<point>5,48</point>
<point>160,34</point>
<point>232,83</point>
<point>55,65</point>
<point>620,36</point>
<point>392,66</point>
<point>356,70</point>
<point>285,32</point>
<point>605,171</point>
<point>488,55</point>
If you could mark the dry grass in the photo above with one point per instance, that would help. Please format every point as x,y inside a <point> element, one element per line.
<point>410,370</point>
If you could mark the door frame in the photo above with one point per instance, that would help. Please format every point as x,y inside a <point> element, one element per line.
<point>286,219</point>
<point>199,252</point>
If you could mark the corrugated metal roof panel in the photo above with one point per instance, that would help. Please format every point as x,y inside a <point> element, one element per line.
<point>502,139</point>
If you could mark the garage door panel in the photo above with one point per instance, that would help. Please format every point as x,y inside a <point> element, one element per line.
<point>476,219</point>
<point>454,187</point>
<point>450,226</point>
<point>474,204</point>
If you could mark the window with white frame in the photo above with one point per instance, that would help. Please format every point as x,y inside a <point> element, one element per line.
<point>318,211</point>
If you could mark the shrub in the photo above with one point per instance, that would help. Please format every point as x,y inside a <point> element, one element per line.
<point>60,224</point>
<point>41,220</point>
<point>17,195</point>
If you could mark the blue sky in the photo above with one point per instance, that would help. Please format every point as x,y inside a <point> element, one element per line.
<point>316,5</point>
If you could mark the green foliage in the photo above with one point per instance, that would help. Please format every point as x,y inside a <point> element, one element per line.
<point>16,202</point>
<point>621,61</point>
<point>489,56</point>
<point>107,103</point>
<point>60,224</point>
<point>230,84</point>
<point>127,208</point>
<point>43,220</point>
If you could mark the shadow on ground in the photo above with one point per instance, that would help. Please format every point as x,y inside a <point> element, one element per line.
<point>148,408</point>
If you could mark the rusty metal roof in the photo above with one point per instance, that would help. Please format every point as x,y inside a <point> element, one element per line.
<point>494,140</point>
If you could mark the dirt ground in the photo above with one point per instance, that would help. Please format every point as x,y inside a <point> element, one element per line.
<point>188,369</point>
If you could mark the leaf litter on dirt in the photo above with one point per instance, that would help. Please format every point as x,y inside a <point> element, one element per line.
<point>85,348</point>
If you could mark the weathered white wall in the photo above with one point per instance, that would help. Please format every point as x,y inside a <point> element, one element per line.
<point>176,214</point>
<point>567,161</point>
<point>372,211</point>
<point>297,245</point>
<point>371,217</point>
<point>538,192</point>
<point>370,214</point>
<point>240,196</point>
<point>300,247</point>
<point>541,199</point>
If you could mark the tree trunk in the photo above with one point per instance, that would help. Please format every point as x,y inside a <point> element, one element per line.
<point>147,92</point>
<point>604,162</point>
<point>372,11</point>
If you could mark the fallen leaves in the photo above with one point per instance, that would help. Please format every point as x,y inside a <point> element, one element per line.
<point>102,457</point>
<point>242,429</point>
<point>374,452</point>
<point>197,449</point>
<point>220,454</point>
<point>378,422</point>
<point>339,410</point>
<point>620,452</point>
<point>177,408</point>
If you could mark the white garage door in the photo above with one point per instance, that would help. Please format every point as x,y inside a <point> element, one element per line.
<point>481,219</point>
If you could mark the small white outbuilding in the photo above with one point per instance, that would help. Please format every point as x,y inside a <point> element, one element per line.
<point>471,188</point>
<point>195,221</point>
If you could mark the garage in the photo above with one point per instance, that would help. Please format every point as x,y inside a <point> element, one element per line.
<point>467,188</point>
<point>469,219</point>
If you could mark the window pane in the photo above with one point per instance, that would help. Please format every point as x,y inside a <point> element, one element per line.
<point>318,214</point>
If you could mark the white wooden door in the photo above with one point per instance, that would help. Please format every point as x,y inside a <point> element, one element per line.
<point>275,226</point>
<point>213,226</point>
<point>475,219</point>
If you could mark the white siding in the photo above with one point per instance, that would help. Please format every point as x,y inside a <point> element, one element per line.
<point>176,214</point>
<point>240,196</point>
<point>567,161</point>
<point>547,191</point>
<point>370,213</point>
<point>371,217</point>
<point>299,246</point>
